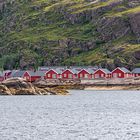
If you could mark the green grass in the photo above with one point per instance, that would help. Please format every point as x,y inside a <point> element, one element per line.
<point>45,21</point>
<point>95,56</point>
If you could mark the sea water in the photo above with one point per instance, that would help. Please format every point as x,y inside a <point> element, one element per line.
<point>83,115</point>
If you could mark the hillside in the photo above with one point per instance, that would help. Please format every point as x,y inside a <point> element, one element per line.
<point>69,32</point>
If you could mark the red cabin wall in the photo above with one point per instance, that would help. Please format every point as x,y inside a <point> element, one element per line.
<point>100,74</point>
<point>108,76</point>
<point>49,75</point>
<point>119,74</point>
<point>130,75</point>
<point>30,78</point>
<point>82,75</point>
<point>34,78</point>
<point>27,76</point>
<point>136,74</point>
<point>65,75</point>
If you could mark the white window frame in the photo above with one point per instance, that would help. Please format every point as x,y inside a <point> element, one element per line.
<point>115,75</point>
<point>119,74</point>
<point>54,76</point>
<point>49,75</point>
<point>65,75</point>
<point>70,76</point>
<point>86,76</point>
<point>102,75</point>
<point>81,75</point>
<point>96,75</point>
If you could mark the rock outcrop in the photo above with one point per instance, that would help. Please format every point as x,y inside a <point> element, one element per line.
<point>19,86</point>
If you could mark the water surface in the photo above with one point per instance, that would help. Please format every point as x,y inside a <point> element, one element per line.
<point>84,115</point>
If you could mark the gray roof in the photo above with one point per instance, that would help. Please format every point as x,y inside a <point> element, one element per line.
<point>13,72</point>
<point>58,70</point>
<point>74,71</point>
<point>105,71</point>
<point>91,71</point>
<point>18,74</point>
<point>136,70</point>
<point>39,73</point>
<point>125,70</point>
<point>31,73</point>
<point>87,68</point>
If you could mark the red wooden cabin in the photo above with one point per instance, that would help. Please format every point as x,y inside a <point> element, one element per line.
<point>68,74</point>
<point>102,73</point>
<point>84,74</point>
<point>33,76</point>
<point>51,74</point>
<point>121,73</point>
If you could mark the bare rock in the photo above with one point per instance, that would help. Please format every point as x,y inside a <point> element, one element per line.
<point>4,90</point>
<point>135,24</point>
<point>137,55</point>
<point>19,86</point>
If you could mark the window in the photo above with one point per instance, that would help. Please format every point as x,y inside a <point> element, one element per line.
<point>54,75</point>
<point>27,77</point>
<point>120,74</point>
<point>70,75</point>
<point>115,75</point>
<point>102,75</point>
<point>86,75</point>
<point>49,75</point>
<point>65,75</point>
<point>127,75</point>
<point>81,75</point>
<point>96,75</point>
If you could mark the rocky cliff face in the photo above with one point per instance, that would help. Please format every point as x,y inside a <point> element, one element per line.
<point>59,32</point>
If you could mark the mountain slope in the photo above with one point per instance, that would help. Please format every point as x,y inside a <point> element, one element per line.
<point>69,32</point>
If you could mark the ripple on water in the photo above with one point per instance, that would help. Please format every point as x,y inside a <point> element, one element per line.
<point>85,115</point>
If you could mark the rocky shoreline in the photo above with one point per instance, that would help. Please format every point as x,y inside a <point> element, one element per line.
<point>117,87</point>
<point>19,86</point>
